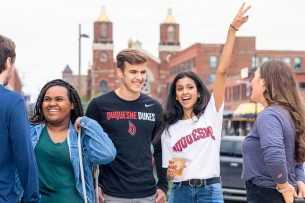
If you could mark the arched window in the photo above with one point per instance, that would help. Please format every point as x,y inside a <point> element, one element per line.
<point>103,86</point>
<point>170,33</point>
<point>104,31</point>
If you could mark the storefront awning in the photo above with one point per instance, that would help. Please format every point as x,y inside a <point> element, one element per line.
<point>247,111</point>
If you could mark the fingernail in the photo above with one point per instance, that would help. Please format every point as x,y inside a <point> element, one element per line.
<point>247,16</point>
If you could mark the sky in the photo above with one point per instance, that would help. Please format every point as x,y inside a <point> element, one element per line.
<point>46,31</point>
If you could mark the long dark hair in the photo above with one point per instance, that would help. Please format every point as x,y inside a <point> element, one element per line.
<point>173,111</point>
<point>282,90</point>
<point>73,96</point>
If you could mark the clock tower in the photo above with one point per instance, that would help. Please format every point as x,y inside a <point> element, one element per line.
<point>102,73</point>
<point>168,46</point>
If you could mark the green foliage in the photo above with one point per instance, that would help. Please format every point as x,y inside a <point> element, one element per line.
<point>85,106</point>
<point>169,184</point>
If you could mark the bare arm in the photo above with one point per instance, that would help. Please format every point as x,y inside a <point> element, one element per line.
<point>221,74</point>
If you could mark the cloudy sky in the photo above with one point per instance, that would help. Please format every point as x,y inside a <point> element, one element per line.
<point>46,31</point>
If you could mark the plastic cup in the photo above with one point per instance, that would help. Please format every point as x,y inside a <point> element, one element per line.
<point>179,164</point>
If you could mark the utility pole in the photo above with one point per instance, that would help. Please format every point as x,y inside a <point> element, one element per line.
<point>79,60</point>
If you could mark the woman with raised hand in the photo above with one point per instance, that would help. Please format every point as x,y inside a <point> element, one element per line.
<point>191,129</point>
<point>58,115</point>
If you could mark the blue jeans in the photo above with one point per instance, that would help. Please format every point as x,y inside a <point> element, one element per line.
<point>204,194</point>
<point>257,194</point>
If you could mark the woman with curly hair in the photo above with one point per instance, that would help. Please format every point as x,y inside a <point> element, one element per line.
<point>58,115</point>
<point>274,150</point>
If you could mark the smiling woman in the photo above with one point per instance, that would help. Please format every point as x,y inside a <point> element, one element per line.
<point>58,115</point>
<point>191,129</point>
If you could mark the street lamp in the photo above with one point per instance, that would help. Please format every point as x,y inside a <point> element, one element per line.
<point>248,83</point>
<point>79,59</point>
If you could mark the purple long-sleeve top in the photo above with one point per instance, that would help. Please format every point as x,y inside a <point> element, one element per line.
<point>269,149</point>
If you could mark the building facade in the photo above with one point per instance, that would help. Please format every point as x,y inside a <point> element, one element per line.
<point>203,59</point>
<point>67,75</point>
<point>14,83</point>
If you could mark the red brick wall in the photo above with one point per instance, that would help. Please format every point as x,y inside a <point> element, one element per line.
<point>15,82</point>
<point>164,37</point>
<point>97,32</point>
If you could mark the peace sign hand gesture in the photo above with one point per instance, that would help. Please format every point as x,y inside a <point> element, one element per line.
<point>240,17</point>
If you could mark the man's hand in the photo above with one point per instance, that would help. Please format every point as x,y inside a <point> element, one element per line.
<point>161,198</point>
<point>100,195</point>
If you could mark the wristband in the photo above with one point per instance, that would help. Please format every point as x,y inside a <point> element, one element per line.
<point>284,189</point>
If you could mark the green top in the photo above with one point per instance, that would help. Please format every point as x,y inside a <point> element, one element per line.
<point>56,176</point>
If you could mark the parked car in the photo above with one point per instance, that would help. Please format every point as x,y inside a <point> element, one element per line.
<point>231,165</point>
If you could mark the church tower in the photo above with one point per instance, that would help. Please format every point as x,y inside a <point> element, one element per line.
<point>102,71</point>
<point>168,46</point>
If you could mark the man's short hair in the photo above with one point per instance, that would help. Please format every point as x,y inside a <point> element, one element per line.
<point>130,56</point>
<point>7,49</point>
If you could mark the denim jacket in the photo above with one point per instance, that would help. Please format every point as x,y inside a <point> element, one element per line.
<point>97,148</point>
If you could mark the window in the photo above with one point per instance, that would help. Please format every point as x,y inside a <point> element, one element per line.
<point>237,150</point>
<point>103,86</point>
<point>212,77</point>
<point>225,148</point>
<point>104,31</point>
<point>302,85</point>
<point>181,67</point>
<point>255,62</point>
<point>297,62</point>
<point>213,61</point>
<point>244,91</point>
<point>188,65</point>
<point>170,33</point>
<point>287,60</point>
<point>228,94</point>
<point>168,86</point>
<point>265,58</point>
<point>236,93</point>
<point>194,62</point>
<point>175,69</point>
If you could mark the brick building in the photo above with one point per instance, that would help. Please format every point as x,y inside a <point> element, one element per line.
<point>102,74</point>
<point>14,83</point>
<point>68,76</point>
<point>203,59</point>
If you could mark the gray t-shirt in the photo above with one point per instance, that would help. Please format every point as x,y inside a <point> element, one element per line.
<point>268,150</point>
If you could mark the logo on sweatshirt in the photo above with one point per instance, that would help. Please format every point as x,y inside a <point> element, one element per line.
<point>196,135</point>
<point>132,128</point>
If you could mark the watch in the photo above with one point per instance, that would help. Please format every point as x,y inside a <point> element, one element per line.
<point>284,189</point>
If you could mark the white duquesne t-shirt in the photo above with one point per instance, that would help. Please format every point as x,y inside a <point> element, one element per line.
<point>197,140</point>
